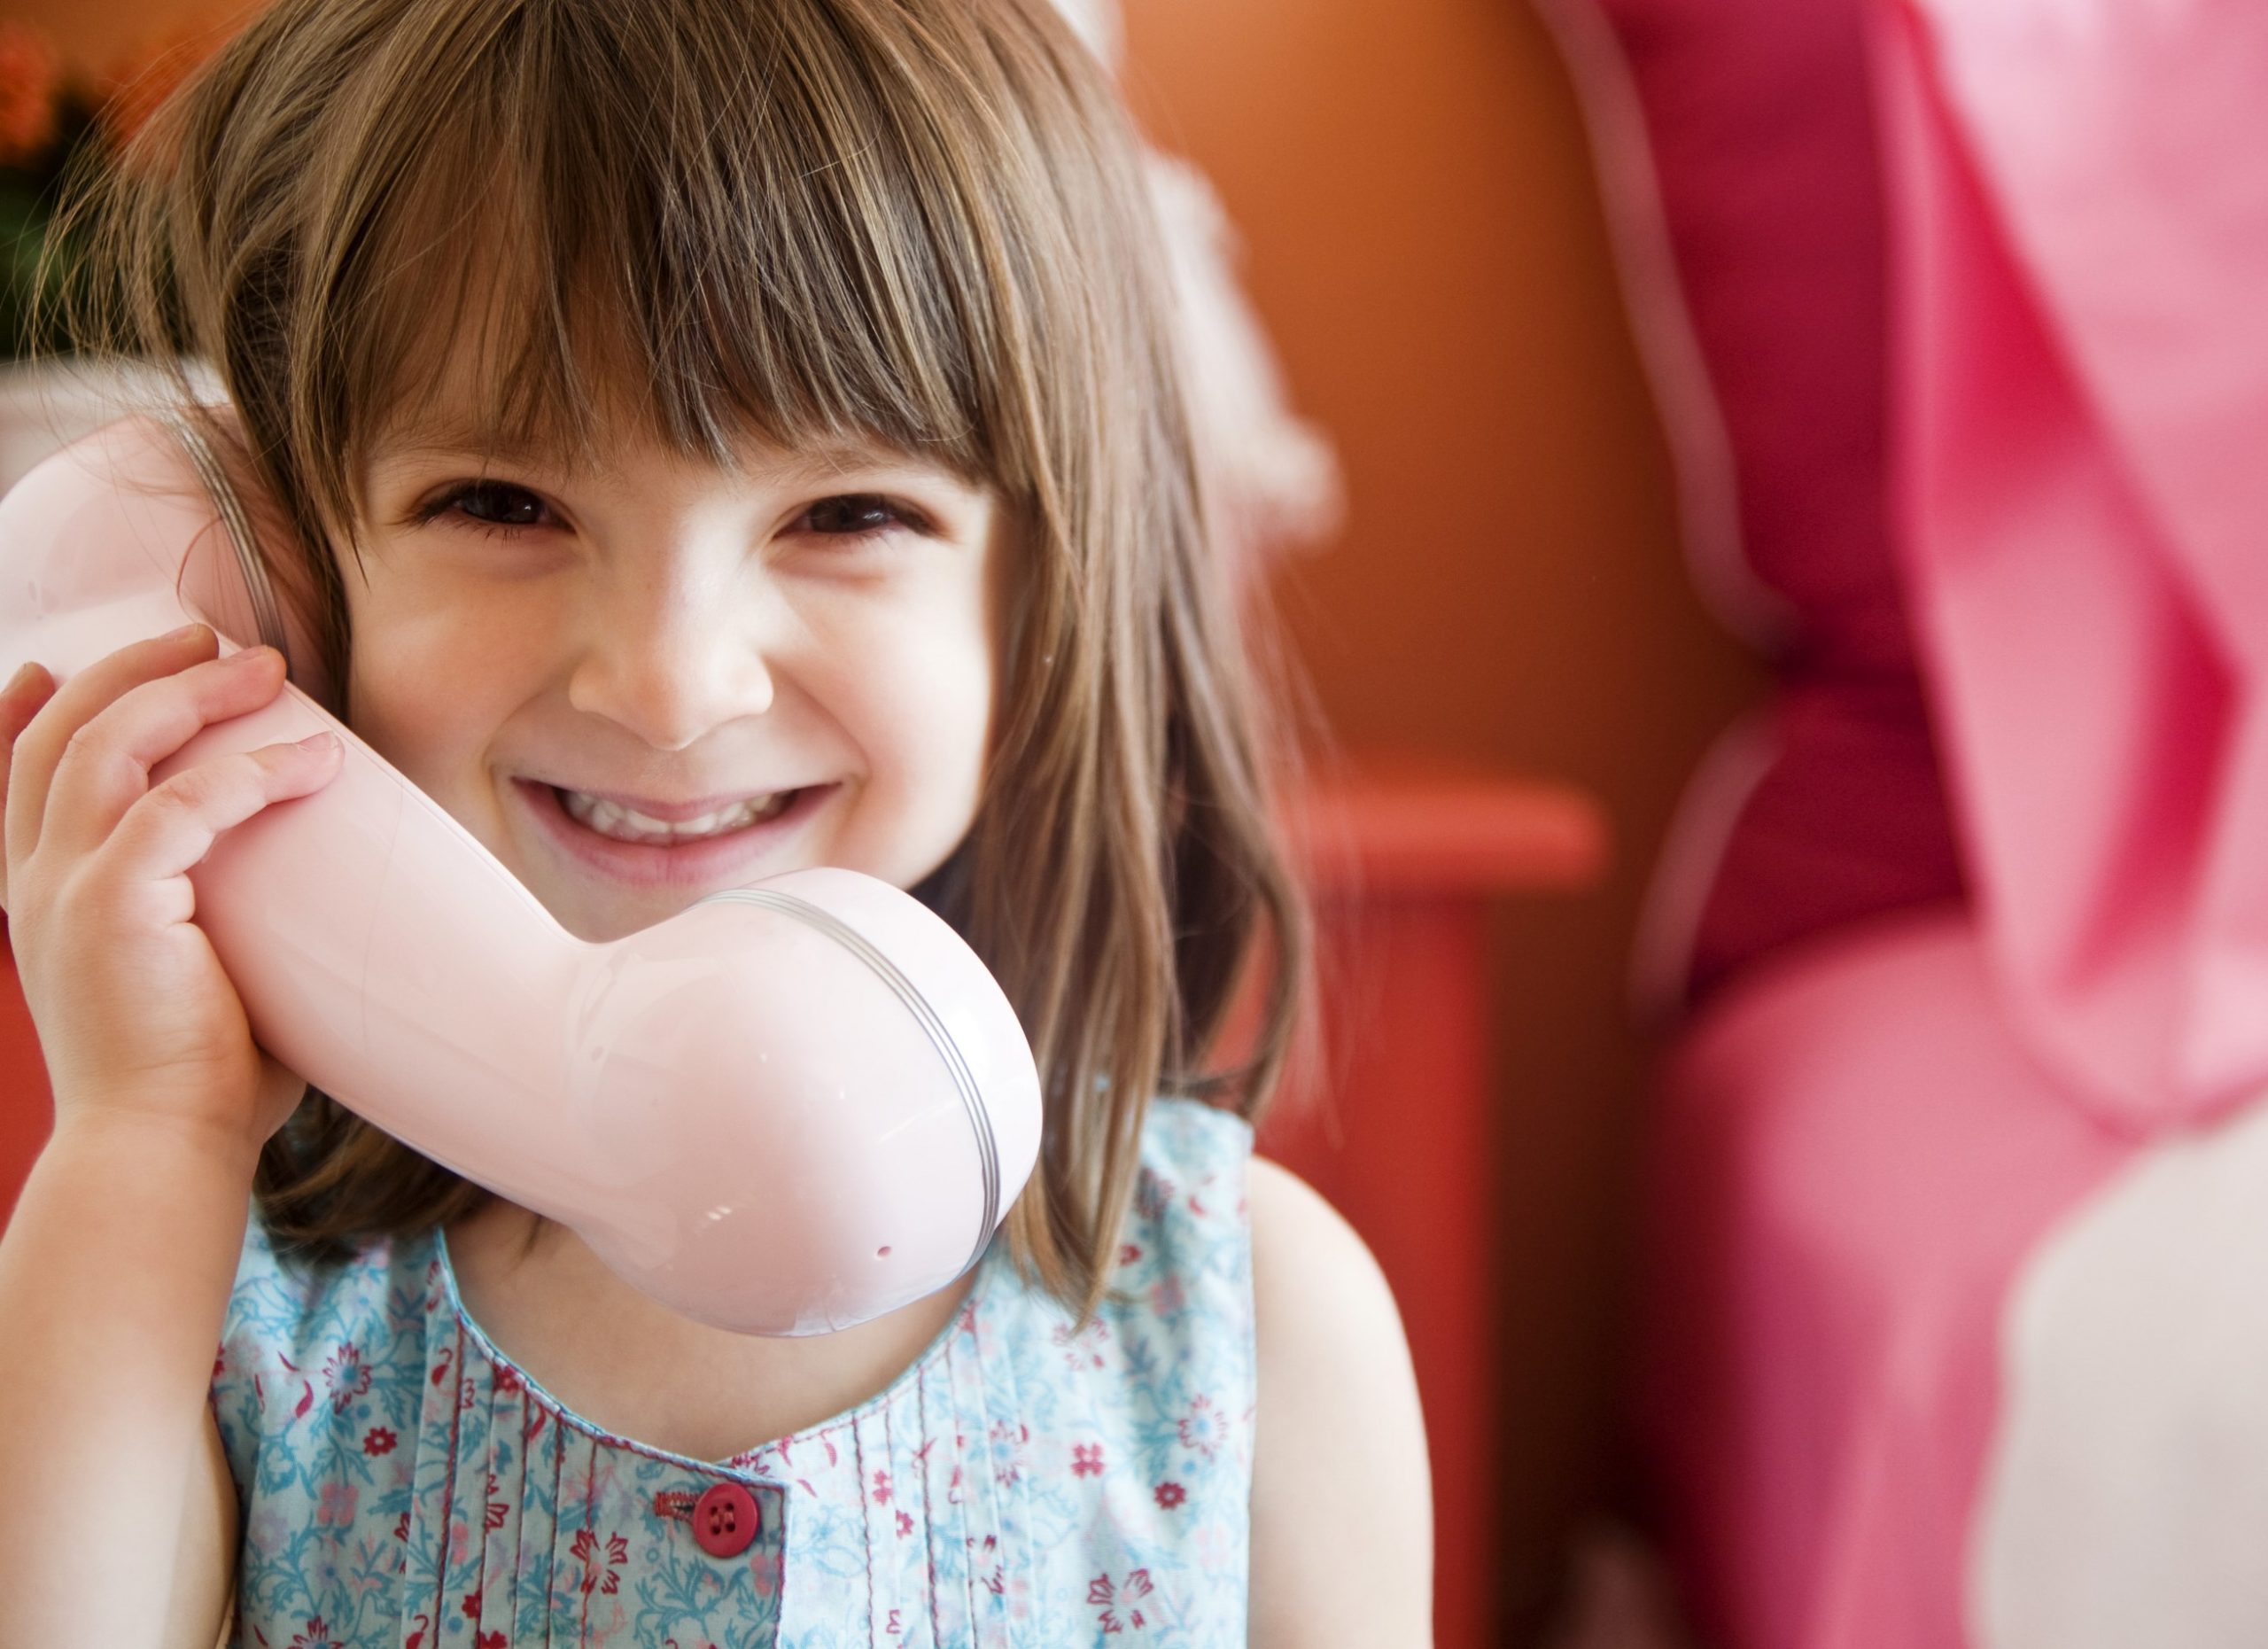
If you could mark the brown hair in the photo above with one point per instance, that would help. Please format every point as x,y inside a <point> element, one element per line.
<point>918,222</point>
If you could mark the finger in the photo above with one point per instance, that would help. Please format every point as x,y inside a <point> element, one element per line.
<point>174,826</point>
<point>40,746</point>
<point>105,766</point>
<point>19,702</point>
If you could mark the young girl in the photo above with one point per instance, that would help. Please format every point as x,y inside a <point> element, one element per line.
<point>764,405</point>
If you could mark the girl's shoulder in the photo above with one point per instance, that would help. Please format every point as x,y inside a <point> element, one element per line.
<point>1181,1130</point>
<point>1189,1147</point>
<point>284,1295</point>
<point>1185,1251</point>
<point>297,1334</point>
<point>1341,1501</point>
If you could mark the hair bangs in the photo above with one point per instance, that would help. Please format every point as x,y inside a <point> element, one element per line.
<point>698,237</point>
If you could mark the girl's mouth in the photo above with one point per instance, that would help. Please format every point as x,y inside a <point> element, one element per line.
<point>720,850</point>
<point>624,824</point>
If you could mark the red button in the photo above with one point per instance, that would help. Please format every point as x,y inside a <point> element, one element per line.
<point>725,1520</point>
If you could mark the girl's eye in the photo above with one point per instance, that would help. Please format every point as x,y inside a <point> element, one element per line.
<point>856,514</point>
<point>491,505</point>
<point>501,508</point>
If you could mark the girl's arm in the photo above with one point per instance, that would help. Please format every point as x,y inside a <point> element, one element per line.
<point>116,1268</point>
<point>117,1516</point>
<point>1342,1514</point>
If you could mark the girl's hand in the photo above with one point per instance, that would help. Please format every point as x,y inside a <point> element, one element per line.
<point>136,1018</point>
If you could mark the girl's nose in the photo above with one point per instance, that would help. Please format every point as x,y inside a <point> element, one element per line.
<point>671,662</point>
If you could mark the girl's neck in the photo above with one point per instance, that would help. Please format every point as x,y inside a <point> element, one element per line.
<point>634,1368</point>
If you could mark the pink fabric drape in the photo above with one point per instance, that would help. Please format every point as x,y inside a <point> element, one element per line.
<point>1738,156</point>
<point>2080,206</point>
<point>1866,1143</point>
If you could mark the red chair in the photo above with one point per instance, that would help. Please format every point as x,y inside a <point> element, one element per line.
<point>26,1108</point>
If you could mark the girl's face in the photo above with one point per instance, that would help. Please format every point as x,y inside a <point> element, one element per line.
<point>794,665</point>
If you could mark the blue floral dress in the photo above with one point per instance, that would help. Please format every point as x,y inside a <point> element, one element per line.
<point>402,1483</point>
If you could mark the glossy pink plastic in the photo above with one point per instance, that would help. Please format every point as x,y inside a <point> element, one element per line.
<point>791,1107</point>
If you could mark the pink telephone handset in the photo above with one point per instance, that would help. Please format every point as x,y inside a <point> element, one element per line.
<point>788,1108</point>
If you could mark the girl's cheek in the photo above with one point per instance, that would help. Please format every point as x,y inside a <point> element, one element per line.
<point>426,681</point>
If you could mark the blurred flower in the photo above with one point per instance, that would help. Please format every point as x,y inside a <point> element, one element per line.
<point>31,78</point>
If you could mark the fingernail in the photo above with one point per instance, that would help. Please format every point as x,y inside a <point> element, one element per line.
<point>319,742</point>
<point>248,655</point>
<point>20,677</point>
<point>181,634</point>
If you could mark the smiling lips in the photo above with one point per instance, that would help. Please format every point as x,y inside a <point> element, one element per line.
<point>611,819</point>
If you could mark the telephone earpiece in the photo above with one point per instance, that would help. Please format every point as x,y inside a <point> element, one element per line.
<point>788,1108</point>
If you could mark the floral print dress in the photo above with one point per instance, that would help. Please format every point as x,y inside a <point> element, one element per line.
<point>403,1484</point>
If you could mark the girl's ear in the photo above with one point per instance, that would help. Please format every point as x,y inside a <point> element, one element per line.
<point>277,542</point>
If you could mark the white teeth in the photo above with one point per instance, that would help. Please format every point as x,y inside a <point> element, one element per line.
<point>626,824</point>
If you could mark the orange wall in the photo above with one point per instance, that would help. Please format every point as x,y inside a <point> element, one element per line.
<point>95,35</point>
<point>1423,241</point>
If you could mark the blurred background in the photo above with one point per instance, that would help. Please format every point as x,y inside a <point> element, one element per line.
<point>1423,240</point>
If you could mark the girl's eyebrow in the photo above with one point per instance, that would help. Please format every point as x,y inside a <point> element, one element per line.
<point>804,466</point>
<point>820,463</point>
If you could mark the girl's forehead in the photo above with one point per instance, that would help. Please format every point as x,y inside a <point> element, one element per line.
<point>553,368</point>
<point>455,413</point>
